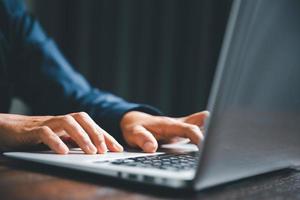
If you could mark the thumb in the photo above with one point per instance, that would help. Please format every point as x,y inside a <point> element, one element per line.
<point>144,139</point>
<point>196,118</point>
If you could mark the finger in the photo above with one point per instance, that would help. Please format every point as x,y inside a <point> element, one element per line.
<point>196,119</point>
<point>112,144</point>
<point>144,139</point>
<point>180,129</point>
<point>99,137</point>
<point>49,138</point>
<point>89,126</point>
<point>77,133</point>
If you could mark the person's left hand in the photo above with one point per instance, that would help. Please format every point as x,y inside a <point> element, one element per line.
<point>143,130</point>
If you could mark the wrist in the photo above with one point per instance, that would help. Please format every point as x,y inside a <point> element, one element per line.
<point>127,118</point>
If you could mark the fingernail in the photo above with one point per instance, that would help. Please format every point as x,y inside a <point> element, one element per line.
<point>103,147</point>
<point>91,149</point>
<point>63,149</point>
<point>149,147</point>
<point>118,147</point>
<point>207,113</point>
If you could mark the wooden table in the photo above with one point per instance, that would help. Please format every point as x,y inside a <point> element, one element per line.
<point>25,180</point>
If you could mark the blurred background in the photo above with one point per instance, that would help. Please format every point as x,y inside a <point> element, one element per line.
<point>158,52</point>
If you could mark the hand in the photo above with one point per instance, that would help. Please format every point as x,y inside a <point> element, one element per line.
<point>18,131</point>
<point>144,130</point>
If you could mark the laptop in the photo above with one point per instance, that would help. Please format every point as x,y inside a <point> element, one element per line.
<point>254,126</point>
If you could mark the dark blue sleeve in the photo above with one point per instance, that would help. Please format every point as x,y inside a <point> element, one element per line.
<point>45,80</point>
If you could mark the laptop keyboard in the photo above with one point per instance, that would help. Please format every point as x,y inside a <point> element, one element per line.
<point>174,162</point>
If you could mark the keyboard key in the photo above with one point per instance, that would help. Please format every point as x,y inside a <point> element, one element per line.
<point>175,162</point>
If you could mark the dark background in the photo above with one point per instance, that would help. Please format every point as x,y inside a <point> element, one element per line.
<point>159,52</point>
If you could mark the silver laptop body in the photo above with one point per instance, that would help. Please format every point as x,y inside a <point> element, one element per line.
<point>254,126</point>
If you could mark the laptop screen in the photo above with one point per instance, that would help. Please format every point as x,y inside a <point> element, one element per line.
<point>262,65</point>
<point>255,101</point>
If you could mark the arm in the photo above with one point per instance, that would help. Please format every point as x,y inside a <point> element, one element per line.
<point>47,83</point>
<point>50,86</point>
<point>45,80</point>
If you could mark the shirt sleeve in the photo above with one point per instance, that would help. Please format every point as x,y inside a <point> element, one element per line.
<point>46,81</point>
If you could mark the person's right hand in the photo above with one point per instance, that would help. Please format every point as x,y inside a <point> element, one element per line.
<point>17,131</point>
